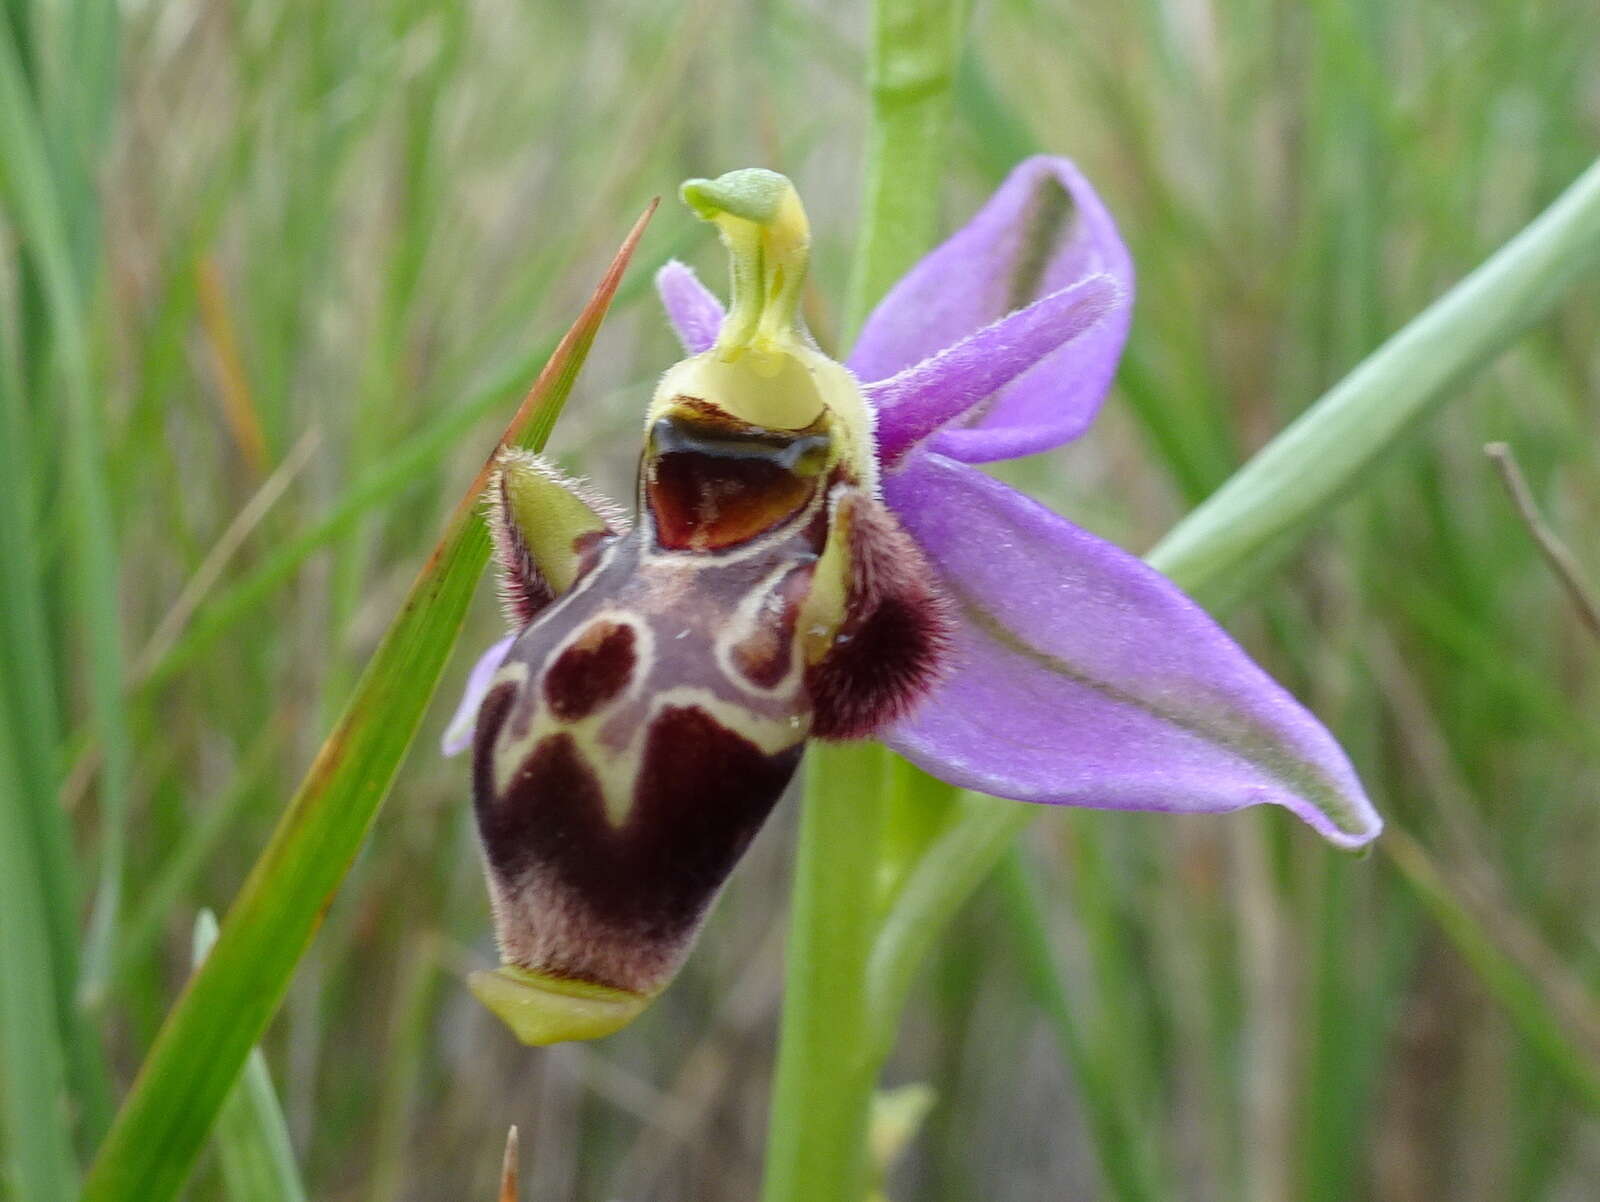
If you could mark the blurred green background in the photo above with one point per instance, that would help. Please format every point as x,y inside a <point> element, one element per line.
<point>317,252</point>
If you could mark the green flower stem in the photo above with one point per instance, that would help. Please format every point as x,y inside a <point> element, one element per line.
<point>827,1059</point>
<point>829,1051</point>
<point>915,50</point>
<point>49,201</point>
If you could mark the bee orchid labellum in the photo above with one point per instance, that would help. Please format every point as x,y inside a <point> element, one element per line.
<point>656,698</point>
<point>820,558</point>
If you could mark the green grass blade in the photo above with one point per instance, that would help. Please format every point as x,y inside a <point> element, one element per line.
<point>1573,1059</point>
<point>38,1157</point>
<point>410,1041</point>
<point>27,674</point>
<point>1347,1032</point>
<point>164,895</point>
<point>1122,1141</point>
<point>381,483</point>
<point>377,485</point>
<point>228,1003</point>
<point>1319,458</point>
<point>952,868</point>
<point>251,1136</point>
<point>38,934</point>
<point>36,203</point>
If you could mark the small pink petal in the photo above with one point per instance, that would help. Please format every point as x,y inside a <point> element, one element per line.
<point>1043,231</point>
<point>695,313</point>
<point>916,404</point>
<point>458,735</point>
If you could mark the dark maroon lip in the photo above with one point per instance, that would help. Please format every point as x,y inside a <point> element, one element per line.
<point>631,894</point>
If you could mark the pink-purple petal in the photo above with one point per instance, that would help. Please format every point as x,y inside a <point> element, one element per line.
<point>694,311</point>
<point>1084,677</point>
<point>1043,230</point>
<point>458,735</point>
<point>918,402</point>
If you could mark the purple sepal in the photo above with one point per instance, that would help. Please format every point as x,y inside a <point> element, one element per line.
<point>1043,231</point>
<point>1084,677</point>
<point>696,315</point>
<point>913,405</point>
<point>458,735</point>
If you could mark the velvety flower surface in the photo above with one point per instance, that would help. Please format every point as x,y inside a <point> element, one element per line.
<point>1079,675</point>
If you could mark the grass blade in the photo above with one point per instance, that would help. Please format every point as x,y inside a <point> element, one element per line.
<point>251,1136</point>
<point>379,484</point>
<point>32,1070</point>
<point>54,258</point>
<point>38,936</point>
<point>164,894</point>
<point>1123,1142</point>
<point>1572,1058</point>
<point>228,1003</point>
<point>1318,459</point>
<point>950,871</point>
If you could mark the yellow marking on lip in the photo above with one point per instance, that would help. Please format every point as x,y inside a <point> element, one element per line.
<point>612,772</point>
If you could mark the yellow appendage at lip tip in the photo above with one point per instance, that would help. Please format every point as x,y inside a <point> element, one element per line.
<point>543,1010</point>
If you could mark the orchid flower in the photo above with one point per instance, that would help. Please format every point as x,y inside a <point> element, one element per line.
<point>817,556</point>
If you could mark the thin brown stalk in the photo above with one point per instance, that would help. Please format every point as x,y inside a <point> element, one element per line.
<point>205,576</point>
<point>82,771</point>
<point>1556,553</point>
<point>238,403</point>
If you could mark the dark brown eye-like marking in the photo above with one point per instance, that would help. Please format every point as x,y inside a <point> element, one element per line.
<point>765,655</point>
<point>590,672</point>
